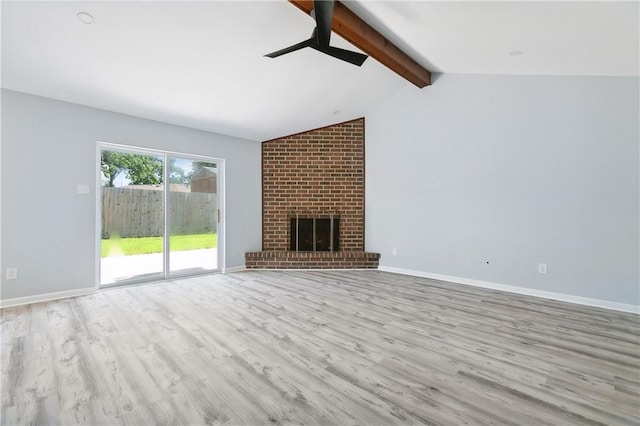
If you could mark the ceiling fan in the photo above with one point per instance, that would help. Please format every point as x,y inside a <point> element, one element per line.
<point>323,14</point>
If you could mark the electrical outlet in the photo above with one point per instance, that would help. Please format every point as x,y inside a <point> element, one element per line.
<point>542,268</point>
<point>394,251</point>
<point>83,189</point>
<point>12,273</point>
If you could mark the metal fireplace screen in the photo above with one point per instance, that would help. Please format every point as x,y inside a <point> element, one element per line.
<point>315,234</point>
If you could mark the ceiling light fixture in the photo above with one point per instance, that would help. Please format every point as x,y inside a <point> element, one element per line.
<point>85,18</point>
<point>515,53</point>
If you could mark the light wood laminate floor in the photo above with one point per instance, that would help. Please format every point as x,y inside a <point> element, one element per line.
<point>341,347</point>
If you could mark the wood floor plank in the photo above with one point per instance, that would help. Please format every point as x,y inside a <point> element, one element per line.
<point>317,347</point>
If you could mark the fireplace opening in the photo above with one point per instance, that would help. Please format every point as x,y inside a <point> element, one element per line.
<point>315,234</point>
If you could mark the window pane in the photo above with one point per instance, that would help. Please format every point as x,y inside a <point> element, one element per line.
<point>193,206</point>
<point>132,217</point>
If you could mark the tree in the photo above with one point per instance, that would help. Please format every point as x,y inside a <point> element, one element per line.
<point>144,170</point>
<point>112,163</point>
<point>140,169</point>
<point>176,173</point>
<point>196,167</point>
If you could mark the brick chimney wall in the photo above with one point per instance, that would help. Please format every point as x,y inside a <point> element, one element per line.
<point>318,171</point>
<point>314,173</point>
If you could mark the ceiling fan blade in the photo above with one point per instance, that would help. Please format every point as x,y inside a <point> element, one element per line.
<point>354,58</point>
<point>323,10</point>
<point>297,46</point>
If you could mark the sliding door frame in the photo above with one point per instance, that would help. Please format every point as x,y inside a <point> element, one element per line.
<point>220,201</point>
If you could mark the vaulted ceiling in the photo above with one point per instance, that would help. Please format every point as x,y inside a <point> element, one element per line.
<point>201,64</point>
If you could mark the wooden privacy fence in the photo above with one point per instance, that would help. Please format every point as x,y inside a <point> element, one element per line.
<point>134,212</point>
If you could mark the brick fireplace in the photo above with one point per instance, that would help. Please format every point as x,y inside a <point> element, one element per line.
<point>312,179</point>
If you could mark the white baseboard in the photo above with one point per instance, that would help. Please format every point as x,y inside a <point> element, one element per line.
<point>235,269</point>
<point>18,301</point>
<point>606,304</point>
<point>311,269</point>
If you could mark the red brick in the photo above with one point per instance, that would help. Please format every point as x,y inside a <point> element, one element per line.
<point>310,173</point>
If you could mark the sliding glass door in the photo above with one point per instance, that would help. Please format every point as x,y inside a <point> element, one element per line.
<point>193,214</point>
<point>159,215</point>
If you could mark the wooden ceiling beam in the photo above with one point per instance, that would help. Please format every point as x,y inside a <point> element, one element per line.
<point>357,32</point>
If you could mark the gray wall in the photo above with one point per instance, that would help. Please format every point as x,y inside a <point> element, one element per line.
<point>513,170</point>
<point>48,147</point>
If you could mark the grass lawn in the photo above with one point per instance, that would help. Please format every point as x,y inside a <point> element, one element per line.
<point>145,245</point>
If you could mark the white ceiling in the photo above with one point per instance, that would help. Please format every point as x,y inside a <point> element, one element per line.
<point>200,64</point>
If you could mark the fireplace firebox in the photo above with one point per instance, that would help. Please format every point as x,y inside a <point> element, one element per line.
<point>315,233</point>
